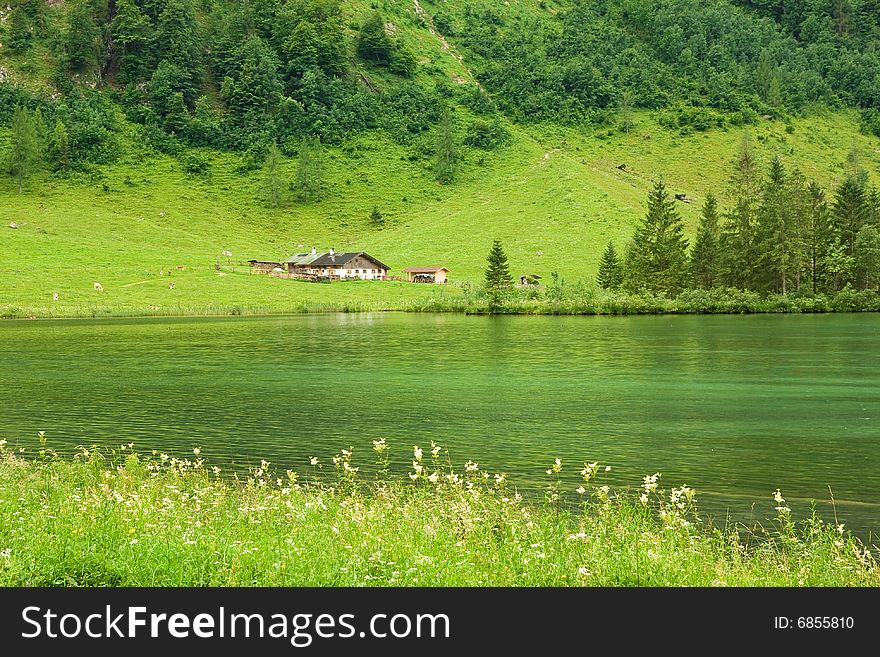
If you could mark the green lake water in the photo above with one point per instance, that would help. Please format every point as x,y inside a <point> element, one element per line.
<point>734,406</point>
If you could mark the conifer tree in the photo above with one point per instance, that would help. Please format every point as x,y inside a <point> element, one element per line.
<point>273,185</point>
<point>24,148</point>
<point>777,244</point>
<point>59,147</point>
<point>82,36</point>
<point>177,42</point>
<point>446,157</point>
<point>850,210</point>
<point>816,234</point>
<point>738,235</point>
<point>610,276</point>
<point>705,254</point>
<point>657,255</point>
<point>309,184</point>
<point>376,217</point>
<point>498,269</point>
<point>131,33</point>
<point>21,30</point>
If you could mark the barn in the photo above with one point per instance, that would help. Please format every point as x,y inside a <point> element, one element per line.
<point>426,274</point>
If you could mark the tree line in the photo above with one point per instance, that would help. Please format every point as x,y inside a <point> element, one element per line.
<point>779,234</point>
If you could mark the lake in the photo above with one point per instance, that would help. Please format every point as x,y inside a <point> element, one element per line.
<point>734,406</point>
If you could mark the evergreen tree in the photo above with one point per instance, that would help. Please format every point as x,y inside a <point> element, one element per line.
<point>764,74</point>
<point>273,185</point>
<point>498,269</point>
<point>257,88</point>
<point>309,182</point>
<point>776,235</point>
<point>817,234</point>
<point>850,210</point>
<point>131,32</point>
<point>376,217</point>
<point>81,39</point>
<point>177,42</point>
<point>446,157</point>
<point>625,119</point>
<point>657,255</point>
<point>176,116</point>
<point>21,31</point>
<point>24,148</point>
<point>867,261</point>
<point>610,276</point>
<point>738,238</point>
<point>165,91</point>
<point>704,261</point>
<point>59,147</point>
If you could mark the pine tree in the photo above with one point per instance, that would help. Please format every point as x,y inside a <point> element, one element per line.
<point>816,234</point>
<point>705,254</point>
<point>610,276</point>
<point>498,269</point>
<point>867,261</point>
<point>625,118</point>
<point>738,238</point>
<point>776,238</point>
<point>446,157</point>
<point>309,182</point>
<point>21,31</point>
<point>764,74</point>
<point>24,148</point>
<point>376,217</point>
<point>257,87</point>
<point>177,42</point>
<point>82,36</point>
<point>273,185</point>
<point>657,255</point>
<point>131,32</point>
<point>59,147</point>
<point>850,210</point>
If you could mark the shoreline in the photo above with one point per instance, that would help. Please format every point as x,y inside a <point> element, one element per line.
<point>16,313</point>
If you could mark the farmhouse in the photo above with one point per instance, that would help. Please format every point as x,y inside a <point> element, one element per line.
<point>426,274</point>
<point>354,264</point>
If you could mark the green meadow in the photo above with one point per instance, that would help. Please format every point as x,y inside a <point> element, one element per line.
<point>128,519</point>
<point>555,197</point>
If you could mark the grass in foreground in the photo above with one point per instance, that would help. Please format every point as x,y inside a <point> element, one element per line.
<point>124,519</point>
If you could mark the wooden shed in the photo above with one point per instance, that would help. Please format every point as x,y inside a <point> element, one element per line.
<point>426,274</point>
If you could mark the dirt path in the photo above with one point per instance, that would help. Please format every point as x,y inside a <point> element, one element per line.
<point>429,21</point>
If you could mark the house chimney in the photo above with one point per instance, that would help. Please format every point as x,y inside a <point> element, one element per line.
<point>332,252</point>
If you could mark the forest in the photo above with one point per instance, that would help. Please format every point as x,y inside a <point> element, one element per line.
<point>782,234</point>
<point>244,75</point>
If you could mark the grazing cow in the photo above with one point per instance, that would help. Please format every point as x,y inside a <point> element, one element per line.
<point>54,296</point>
<point>171,285</point>
<point>99,287</point>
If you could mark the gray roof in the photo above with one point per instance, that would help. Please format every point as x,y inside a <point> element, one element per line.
<point>301,258</point>
<point>328,260</point>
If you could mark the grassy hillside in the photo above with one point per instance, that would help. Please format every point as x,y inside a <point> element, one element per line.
<point>553,194</point>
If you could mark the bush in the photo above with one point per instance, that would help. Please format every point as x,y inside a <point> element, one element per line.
<point>486,135</point>
<point>194,164</point>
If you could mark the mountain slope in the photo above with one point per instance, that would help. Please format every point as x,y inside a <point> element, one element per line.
<point>553,193</point>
